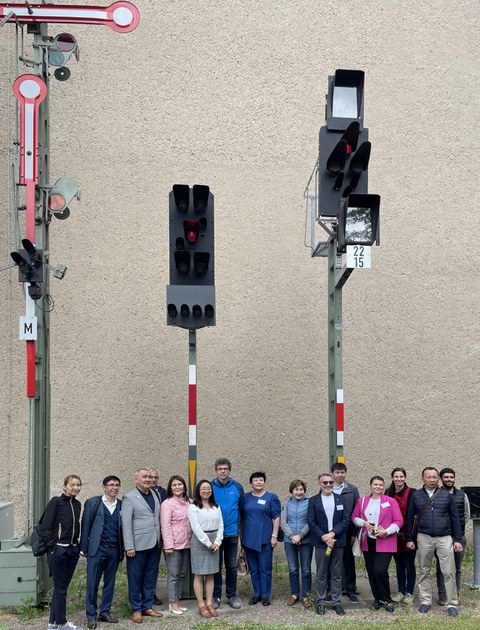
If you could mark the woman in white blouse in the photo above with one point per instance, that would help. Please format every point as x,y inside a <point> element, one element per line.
<point>206,520</point>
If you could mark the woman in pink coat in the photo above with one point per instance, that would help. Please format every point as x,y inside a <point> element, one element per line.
<point>380,518</point>
<point>176,535</point>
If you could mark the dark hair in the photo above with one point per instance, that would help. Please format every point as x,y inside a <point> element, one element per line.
<point>69,477</point>
<point>223,461</point>
<point>338,466</point>
<point>198,499</point>
<point>399,469</point>
<point>429,468</point>
<point>169,486</point>
<point>297,482</point>
<point>258,474</point>
<point>378,478</point>
<point>110,478</point>
<point>449,471</point>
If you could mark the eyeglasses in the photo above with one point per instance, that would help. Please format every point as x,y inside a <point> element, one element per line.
<point>113,485</point>
<point>327,483</point>
<point>223,469</point>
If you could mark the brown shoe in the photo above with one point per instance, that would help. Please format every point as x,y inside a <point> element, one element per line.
<point>137,617</point>
<point>306,603</point>
<point>204,612</point>
<point>152,613</point>
<point>211,610</point>
<point>293,600</point>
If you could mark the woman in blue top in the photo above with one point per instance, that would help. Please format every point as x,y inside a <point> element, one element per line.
<point>260,512</point>
<point>298,547</point>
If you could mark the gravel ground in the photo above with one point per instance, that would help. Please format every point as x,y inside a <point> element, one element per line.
<point>276,614</point>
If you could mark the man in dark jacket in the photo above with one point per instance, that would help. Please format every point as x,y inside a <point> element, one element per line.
<point>328,520</point>
<point>447,476</point>
<point>350,495</point>
<point>438,524</point>
<point>101,542</point>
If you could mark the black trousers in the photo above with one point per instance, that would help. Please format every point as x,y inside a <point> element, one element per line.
<point>377,564</point>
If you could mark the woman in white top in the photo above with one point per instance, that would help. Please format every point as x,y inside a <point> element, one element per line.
<point>206,520</point>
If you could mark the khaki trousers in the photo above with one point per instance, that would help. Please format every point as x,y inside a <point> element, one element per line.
<point>427,546</point>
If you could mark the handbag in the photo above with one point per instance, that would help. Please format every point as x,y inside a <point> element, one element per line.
<point>242,564</point>
<point>356,547</point>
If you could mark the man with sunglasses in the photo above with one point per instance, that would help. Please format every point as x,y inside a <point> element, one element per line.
<point>328,519</point>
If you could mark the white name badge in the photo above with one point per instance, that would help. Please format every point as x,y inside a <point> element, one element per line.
<point>261,501</point>
<point>386,504</point>
<point>339,507</point>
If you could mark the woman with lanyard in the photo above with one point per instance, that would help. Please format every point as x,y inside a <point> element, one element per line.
<point>61,530</point>
<point>380,519</point>
<point>260,513</point>
<point>404,558</point>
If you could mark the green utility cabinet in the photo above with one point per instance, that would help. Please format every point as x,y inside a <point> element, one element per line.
<point>22,576</point>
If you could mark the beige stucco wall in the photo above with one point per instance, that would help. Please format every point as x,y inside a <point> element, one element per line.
<point>231,94</point>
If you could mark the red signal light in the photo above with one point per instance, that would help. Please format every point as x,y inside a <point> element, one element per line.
<point>192,231</point>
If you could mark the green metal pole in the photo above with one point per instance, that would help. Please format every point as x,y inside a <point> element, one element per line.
<point>335,368</point>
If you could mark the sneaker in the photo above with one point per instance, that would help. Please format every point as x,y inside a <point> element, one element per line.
<point>407,599</point>
<point>70,626</point>
<point>389,607</point>
<point>400,597</point>
<point>320,608</point>
<point>452,611</point>
<point>338,609</point>
<point>52,626</point>
<point>375,606</point>
<point>216,602</point>
<point>423,608</point>
<point>353,598</point>
<point>91,624</point>
<point>442,600</point>
<point>234,603</point>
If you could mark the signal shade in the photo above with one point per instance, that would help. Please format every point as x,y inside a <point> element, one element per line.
<point>172,310</point>
<point>200,262</point>
<point>181,194</point>
<point>209,310</point>
<point>197,310</point>
<point>351,136</point>
<point>192,230</point>
<point>338,158</point>
<point>182,262</point>
<point>184,310</point>
<point>200,198</point>
<point>359,162</point>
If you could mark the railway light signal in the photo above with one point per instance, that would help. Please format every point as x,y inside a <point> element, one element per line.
<point>29,261</point>
<point>191,292</point>
<point>61,194</point>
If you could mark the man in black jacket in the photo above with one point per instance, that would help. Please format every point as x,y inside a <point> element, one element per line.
<point>447,475</point>
<point>328,520</point>
<point>438,524</point>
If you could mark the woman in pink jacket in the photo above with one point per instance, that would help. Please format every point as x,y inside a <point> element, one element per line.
<point>380,518</point>
<point>176,534</point>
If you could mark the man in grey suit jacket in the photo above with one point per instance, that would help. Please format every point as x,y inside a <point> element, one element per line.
<point>141,538</point>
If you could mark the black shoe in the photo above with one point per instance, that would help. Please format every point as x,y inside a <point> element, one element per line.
<point>352,597</point>
<point>266,601</point>
<point>375,606</point>
<point>388,606</point>
<point>157,601</point>
<point>320,609</point>
<point>107,618</point>
<point>338,609</point>
<point>328,597</point>
<point>254,600</point>
<point>91,624</point>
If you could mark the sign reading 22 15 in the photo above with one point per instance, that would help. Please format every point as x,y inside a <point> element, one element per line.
<point>359,256</point>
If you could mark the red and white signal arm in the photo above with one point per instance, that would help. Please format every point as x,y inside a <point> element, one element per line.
<point>121,16</point>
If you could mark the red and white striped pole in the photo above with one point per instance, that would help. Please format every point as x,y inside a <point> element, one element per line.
<point>192,411</point>
<point>340,423</point>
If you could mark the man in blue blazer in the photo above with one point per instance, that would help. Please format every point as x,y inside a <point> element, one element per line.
<point>101,542</point>
<point>328,519</point>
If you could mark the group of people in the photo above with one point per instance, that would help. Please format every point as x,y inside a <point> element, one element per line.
<point>399,522</point>
<point>204,533</point>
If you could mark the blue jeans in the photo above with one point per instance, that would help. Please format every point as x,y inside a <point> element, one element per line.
<point>228,554</point>
<point>406,574</point>
<point>299,556</point>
